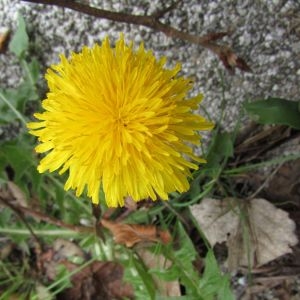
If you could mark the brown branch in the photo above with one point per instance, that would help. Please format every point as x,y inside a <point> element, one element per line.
<point>20,214</point>
<point>21,211</point>
<point>147,21</point>
<point>225,54</point>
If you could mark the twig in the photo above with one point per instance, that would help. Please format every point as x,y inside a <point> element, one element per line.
<point>226,55</point>
<point>21,210</point>
<point>147,21</point>
<point>20,214</point>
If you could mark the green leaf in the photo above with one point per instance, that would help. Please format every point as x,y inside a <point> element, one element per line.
<point>20,41</point>
<point>221,148</point>
<point>174,298</point>
<point>34,70</point>
<point>14,101</point>
<point>275,111</point>
<point>137,275</point>
<point>18,156</point>
<point>6,113</point>
<point>5,216</point>
<point>182,267</point>
<point>213,281</point>
<point>187,252</point>
<point>169,274</point>
<point>183,262</point>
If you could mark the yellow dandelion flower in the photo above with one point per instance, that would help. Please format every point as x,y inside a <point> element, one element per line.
<point>115,117</point>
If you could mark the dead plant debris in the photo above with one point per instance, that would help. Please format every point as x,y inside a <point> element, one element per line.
<point>131,234</point>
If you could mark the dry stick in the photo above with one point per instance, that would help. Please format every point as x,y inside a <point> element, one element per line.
<point>147,21</point>
<point>21,210</point>
<point>229,59</point>
<point>20,214</point>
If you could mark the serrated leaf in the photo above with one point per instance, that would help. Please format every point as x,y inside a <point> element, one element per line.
<point>142,280</point>
<point>20,41</point>
<point>187,252</point>
<point>166,274</point>
<point>20,159</point>
<point>182,267</point>
<point>159,263</point>
<point>224,292</point>
<point>275,111</point>
<point>213,281</point>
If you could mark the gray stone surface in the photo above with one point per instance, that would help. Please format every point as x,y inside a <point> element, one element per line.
<point>266,33</point>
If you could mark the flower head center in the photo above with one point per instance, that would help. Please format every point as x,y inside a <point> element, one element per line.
<point>121,120</point>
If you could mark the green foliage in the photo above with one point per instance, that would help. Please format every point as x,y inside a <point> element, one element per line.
<point>275,111</point>
<point>20,41</point>
<point>213,283</point>
<point>18,155</point>
<point>221,149</point>
<point>210,285</point>
<point>13,101</point>
<point>182,263</point>
<point>137,275</point>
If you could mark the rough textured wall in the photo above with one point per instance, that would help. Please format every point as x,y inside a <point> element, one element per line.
<point>266,33</point>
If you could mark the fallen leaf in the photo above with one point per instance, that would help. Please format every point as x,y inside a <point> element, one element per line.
<point>217,219</point>
<point>131,234</point>
<point>256,231</point>
<point>98,281</point>
<point>229,58</point>
<point>58,254</point>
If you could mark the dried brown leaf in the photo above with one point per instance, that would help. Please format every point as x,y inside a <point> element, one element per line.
<point>256,231</point>
<point>131,234</point>
<point>98,281</point>
<point>230,60</point>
